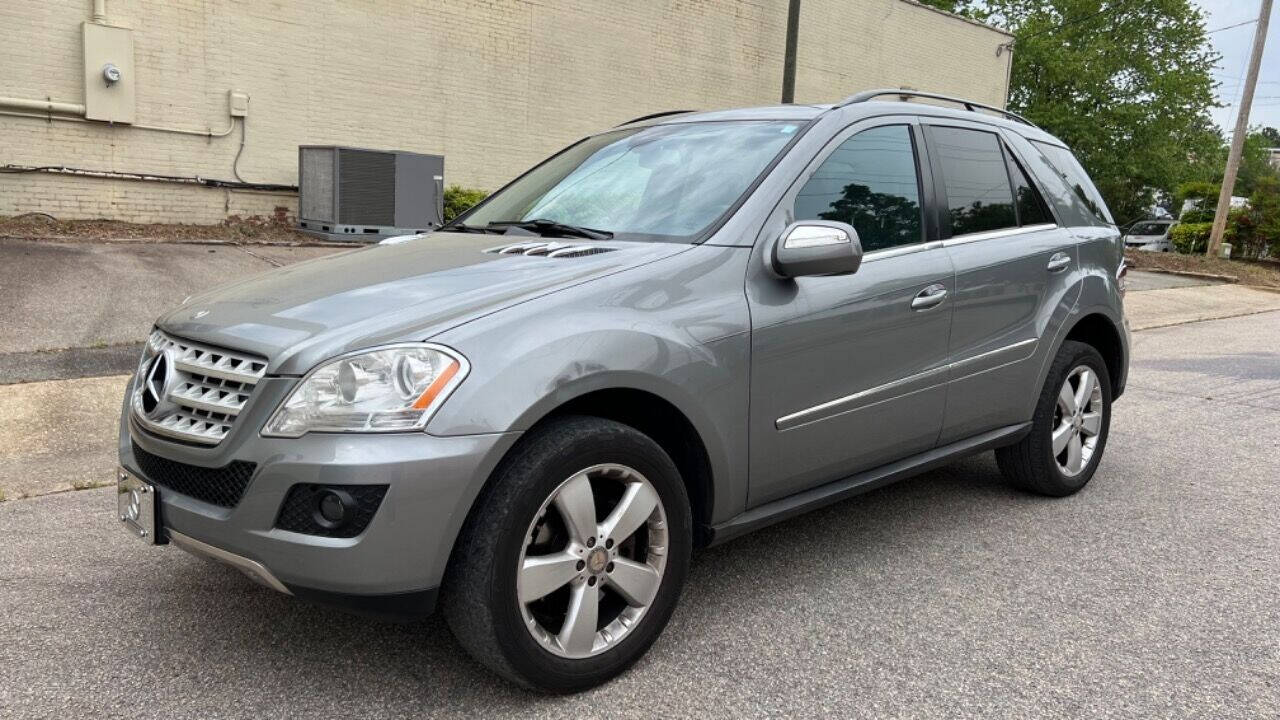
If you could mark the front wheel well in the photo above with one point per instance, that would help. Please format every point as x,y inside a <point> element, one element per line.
<point>667,426</point>
<point>1098,331</point>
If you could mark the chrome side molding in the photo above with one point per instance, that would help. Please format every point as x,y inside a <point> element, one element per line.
<point>851,403</point>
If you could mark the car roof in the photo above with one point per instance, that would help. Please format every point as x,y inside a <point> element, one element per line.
<point>869,108</point>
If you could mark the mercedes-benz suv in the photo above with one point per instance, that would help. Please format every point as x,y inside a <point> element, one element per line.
<point>668,334</point>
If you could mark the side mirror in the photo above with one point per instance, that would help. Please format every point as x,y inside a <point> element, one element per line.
<point>816,247</point>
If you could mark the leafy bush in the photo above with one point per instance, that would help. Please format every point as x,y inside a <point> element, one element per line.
<point>458,199</point>
<point>1264,209</point>
<point>1191,238</point>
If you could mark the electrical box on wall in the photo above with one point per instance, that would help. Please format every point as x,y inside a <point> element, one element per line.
<point>238,103</point>
<point>108,73</point>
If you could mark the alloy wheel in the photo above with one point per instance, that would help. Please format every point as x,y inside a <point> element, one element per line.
<point>1077,420</point>
<point>593,560</point>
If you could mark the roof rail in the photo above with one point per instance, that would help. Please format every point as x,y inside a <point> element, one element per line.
<point>651,116</point>
<point>969,105</point>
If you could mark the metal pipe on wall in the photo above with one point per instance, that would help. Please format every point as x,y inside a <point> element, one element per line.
<point>100,12</point>
<point>44,106</point>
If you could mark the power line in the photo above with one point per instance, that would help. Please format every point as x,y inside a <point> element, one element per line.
<point>1228,27</point>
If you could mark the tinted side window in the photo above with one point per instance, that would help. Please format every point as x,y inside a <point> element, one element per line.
<point>870,182</point>
<point>1031,208</point>
<point>977,182</point>
<point>1065,164</point>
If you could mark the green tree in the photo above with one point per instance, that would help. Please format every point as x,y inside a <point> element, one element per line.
<point>1255,163</point>
<point>1272,136</point>
<point>959,7</point>
<point>1126,84</point>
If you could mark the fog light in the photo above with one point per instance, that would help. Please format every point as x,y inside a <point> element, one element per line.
<point>333,508</point>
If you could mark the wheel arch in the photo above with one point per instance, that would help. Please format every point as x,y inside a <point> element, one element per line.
<point>651,413</point>
<point>666,425</point>
<point>1100,331</point>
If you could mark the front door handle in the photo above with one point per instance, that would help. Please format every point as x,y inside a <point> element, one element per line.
<point>1059,262</point>
<point>929,297</point>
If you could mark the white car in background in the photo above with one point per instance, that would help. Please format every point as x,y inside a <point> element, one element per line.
<point>1150,235</point>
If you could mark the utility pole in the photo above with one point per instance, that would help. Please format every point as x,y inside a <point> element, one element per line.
<point>1242,129</point>
<point>789,59</point>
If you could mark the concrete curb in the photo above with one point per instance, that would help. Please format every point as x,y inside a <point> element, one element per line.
<point>1208,318</point>
<point>1192,274</point>
<point>76,239</point>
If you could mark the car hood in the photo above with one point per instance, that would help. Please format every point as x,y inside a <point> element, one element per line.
<point>300,315</point>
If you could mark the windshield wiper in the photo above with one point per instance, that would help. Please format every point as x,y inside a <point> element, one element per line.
<point>551,228</point>
<point>461,227</point>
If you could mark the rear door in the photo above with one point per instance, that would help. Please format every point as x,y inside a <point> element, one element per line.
<point>849,372</point>
<point>1014,266</point>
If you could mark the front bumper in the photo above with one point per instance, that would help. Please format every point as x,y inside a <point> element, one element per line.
<point>393,567</point>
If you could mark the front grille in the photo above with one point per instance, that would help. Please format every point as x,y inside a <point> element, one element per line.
<point>222,486</point>
<point>300,509</point>
<point>193,392</point>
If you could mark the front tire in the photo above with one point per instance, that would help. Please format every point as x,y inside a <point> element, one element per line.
<point>1069,430</point>
<point>573,559</point>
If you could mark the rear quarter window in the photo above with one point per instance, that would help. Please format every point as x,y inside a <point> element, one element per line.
<point>1087,197</point>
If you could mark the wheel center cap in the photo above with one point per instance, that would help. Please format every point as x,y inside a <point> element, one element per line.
<point>597,560</point>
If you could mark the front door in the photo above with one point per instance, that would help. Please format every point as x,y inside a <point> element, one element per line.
<point>849,372</point>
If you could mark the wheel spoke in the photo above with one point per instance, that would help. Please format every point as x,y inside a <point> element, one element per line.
<point>1060,438</point>
<point>577,506</point>
<point>1066,401</point>
<point>543,574</point>
<point>1084,391</point>
<point>633,509</point>
<point>578,635</point>
<point>635,582</point>
<point>1092,423</point>
<point>1074,453</point>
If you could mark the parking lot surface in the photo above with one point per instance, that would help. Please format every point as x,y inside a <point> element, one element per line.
<point>1150,594</point>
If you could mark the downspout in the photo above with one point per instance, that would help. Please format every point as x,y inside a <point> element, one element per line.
<point>1007,49</point>
<point>789,58</point>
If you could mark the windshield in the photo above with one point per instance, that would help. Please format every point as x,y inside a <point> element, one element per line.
<point>1148,228</point>
<point>664,182</point>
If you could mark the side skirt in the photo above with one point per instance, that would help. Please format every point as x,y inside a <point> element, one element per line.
<point>832,492</point>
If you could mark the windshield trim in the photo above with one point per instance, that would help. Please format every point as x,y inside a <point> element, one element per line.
<point>715,225</point>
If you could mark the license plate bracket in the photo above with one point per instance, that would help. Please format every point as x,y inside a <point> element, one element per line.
<point>136,502</point>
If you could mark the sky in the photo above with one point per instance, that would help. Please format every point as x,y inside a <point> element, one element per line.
<point>1234,46</point>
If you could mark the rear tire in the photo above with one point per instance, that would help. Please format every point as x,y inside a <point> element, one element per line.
<point>571,489</point>
<point>1069,429</point>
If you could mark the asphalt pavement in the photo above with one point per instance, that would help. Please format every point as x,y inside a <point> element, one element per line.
<point>1152,593</point>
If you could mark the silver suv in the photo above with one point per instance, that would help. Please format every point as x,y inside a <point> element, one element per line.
<point>667,335</point>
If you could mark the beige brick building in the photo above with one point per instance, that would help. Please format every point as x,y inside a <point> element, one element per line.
<point>493,85</point>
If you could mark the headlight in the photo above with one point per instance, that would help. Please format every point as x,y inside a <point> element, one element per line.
<point>384,390</point>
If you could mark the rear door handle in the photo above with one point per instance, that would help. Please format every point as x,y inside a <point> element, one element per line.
<point>1059,261</point>
<point>929,297</point>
